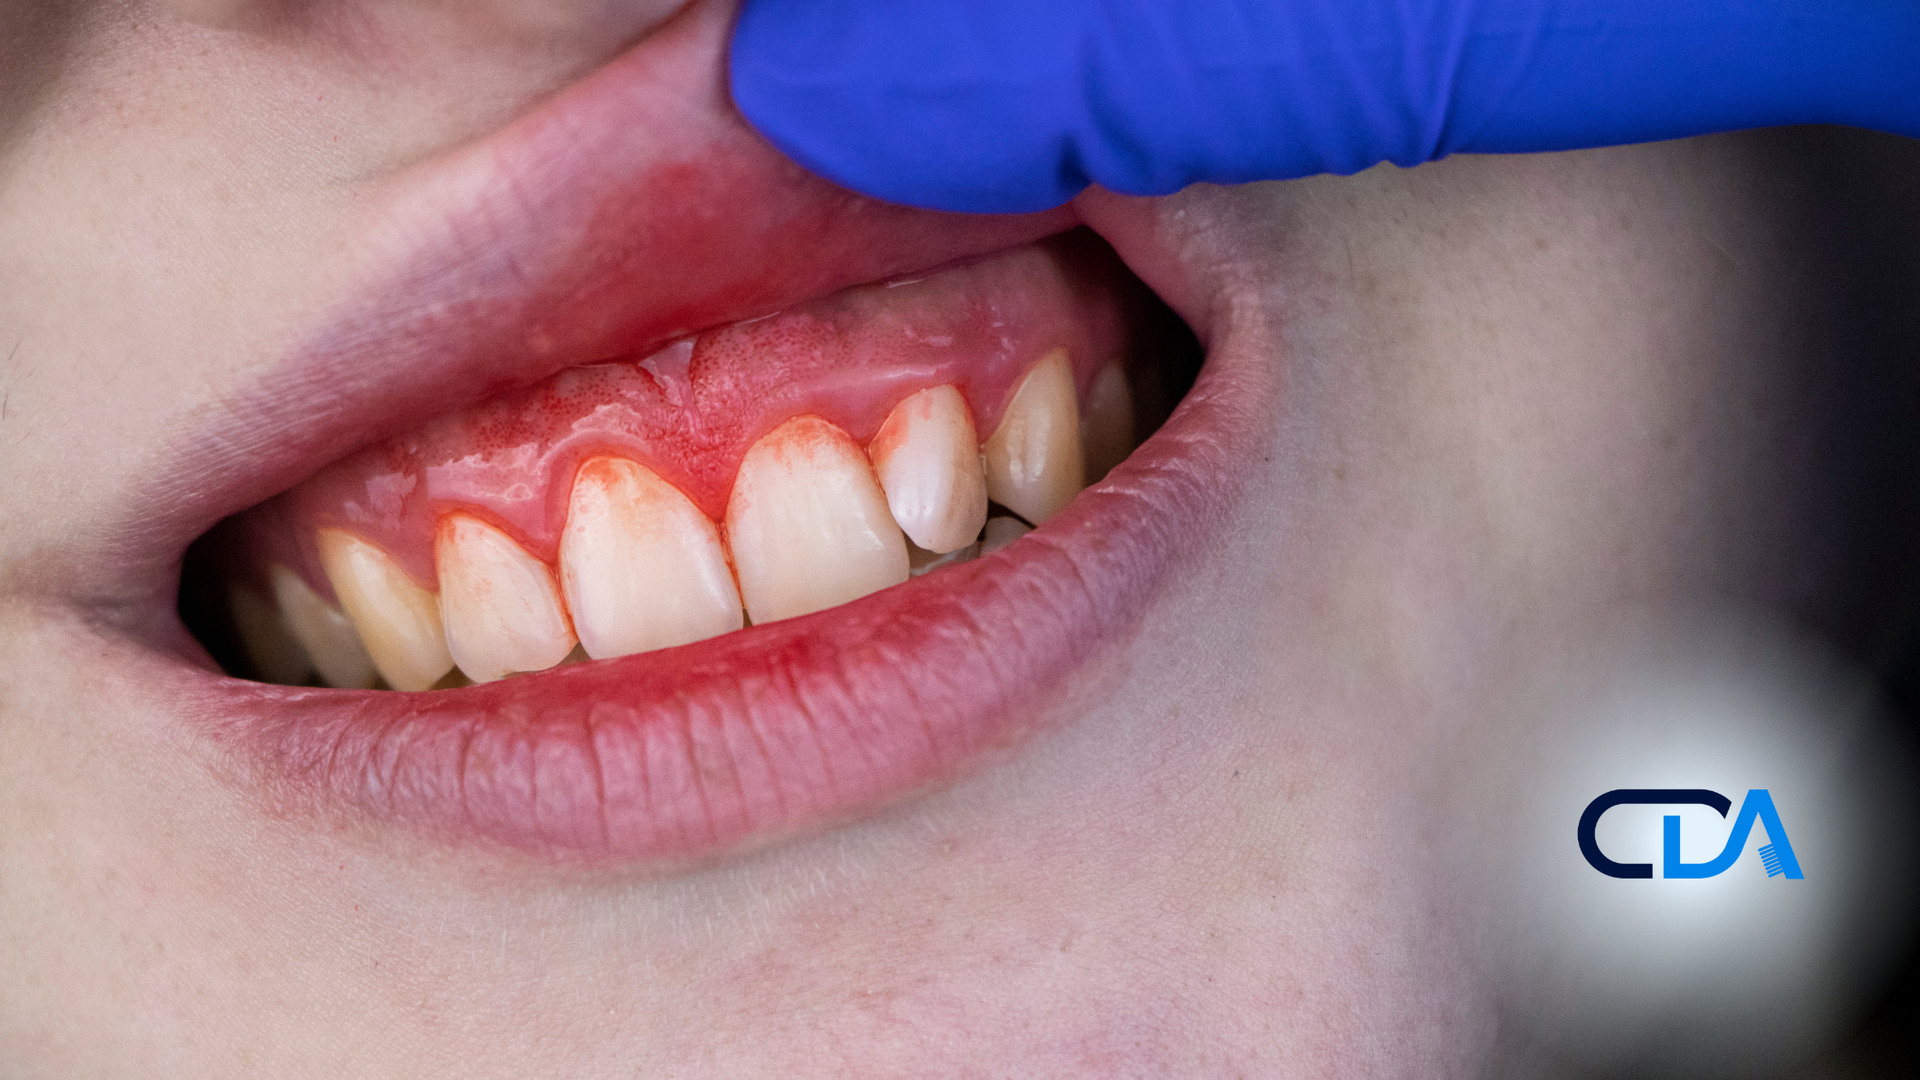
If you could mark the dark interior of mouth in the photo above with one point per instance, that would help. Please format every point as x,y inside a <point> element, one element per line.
<point>750,472</point>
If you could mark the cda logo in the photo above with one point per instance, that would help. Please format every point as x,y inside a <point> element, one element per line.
<point>1777,854</point>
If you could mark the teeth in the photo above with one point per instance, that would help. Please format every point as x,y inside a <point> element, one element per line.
<point>928,460</point>
<point>923,561</point>
<point>641,566</point>
<point>1002,531</point>
<point>502,609</point>
<point>327,635</point>
<point>398,621</point>
<point>812,522</point>
<point>1107,429</point>
<point>271,650</point>
<point>808,523</point>
<point>1034,463</point>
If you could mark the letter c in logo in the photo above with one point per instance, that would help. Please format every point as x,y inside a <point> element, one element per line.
<point>1667,796</point>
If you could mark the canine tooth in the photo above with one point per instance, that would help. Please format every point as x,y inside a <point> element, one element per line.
<point>808,523</point>
<point>642,568</point>
<point>1107,429</point>
<point>928,460</point>
<point>276,656</point>
<point>503,611</point>
<point>398,621</point>
<point>1034,462</point>
<point>326,634</point>
<point>923,561</point>
<point>1002,531</point>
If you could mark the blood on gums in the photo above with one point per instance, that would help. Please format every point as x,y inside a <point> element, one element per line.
<point>690,412</point>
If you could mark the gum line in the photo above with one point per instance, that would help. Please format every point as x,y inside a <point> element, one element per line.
<point>691,410</point>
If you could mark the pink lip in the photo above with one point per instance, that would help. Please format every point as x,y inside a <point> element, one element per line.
<point>677,754</point>
<point>550,256</point>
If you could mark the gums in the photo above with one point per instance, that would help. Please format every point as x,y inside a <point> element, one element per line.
<point>690,411</point>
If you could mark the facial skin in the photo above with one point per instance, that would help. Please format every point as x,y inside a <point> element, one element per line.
<point>1504,408</point>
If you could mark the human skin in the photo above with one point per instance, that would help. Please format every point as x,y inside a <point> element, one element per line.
<point>1502,406</point>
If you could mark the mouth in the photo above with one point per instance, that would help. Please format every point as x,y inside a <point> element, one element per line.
<point>646,500</point>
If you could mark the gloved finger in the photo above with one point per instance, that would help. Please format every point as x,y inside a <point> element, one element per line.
<point>1017,105</point>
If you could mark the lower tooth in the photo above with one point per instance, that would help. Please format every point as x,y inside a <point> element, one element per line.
<point>923,561</point>
<point>1034,460</point>
<point>1002,531</point>
<point>270,648</point>
<point>808,524</point>
<point>641,566</point>
<point>397,620</point>
<point>503,611</point>
<point>1107,428</point>
<point>324,632</point>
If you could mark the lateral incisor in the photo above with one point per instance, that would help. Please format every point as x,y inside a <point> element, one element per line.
<point>502,608</point>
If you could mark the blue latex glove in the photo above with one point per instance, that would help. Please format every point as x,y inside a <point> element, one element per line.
<point>1015,105</point>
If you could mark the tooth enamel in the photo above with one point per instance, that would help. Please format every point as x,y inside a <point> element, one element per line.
<point>272,651</point>
<point>327,635</point>
<point>927,458</point>
<point>1034,462</point>
<point>502,609</point>
<point>398,621</point>
<point>641,566</point>
<point>808,523</point>
<point>1002,531</point>
<point>1107,429</point>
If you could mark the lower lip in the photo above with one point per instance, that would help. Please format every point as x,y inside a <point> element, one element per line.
<point>683,754</point>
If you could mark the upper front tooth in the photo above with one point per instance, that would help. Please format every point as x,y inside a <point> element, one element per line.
<point>1034,462</point>
<point>398,621</point>
<point>808,524</point>
<point>641,566</point>
<point>502,609</point>
<point>928,460</point>
<point>1107,429</point>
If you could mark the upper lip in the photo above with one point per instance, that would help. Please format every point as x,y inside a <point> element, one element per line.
<point>633,207</point>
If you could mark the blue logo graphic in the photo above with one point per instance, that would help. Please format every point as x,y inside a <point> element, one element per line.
<point>1776,854</point>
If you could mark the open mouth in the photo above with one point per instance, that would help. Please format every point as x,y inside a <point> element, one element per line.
<point>550,567</point>
<point>759,578</point>
<point>758,471</point>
